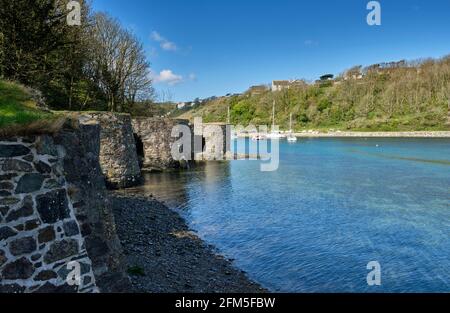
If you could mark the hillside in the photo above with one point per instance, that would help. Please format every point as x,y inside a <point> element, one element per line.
<point>413,96</point>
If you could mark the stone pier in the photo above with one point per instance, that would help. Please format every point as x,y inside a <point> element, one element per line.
<point>154,141</point>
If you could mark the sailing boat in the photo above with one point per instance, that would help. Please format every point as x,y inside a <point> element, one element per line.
<point>291,137</point>
<point>274,134</point>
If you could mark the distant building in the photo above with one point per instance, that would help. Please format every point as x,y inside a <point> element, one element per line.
<point>278,85</point>
<point>257,90</point>
<point>181,105</point>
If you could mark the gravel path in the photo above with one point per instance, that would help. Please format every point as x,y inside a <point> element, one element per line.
<point>163,255</point>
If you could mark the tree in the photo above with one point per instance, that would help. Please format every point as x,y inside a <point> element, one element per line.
<point>118,63</point>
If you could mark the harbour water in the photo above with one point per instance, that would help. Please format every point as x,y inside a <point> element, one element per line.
<point>333,206</point>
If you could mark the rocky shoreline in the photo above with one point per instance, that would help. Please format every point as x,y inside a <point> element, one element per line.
<point>164,256</point>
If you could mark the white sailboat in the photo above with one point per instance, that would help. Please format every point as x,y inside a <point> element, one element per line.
<point>291,137</point>
<point>274,134</point>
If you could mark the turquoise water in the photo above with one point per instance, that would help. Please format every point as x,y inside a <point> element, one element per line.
<point>332,206</point>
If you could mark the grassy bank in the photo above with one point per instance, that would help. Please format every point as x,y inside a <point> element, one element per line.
<point>20,115</point>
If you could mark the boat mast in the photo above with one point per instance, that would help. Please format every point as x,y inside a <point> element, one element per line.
<point>290,123</point>
<point>273,115</point>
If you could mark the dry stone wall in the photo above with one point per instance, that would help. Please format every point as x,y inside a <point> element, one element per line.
<point>39,233</point>
<point>54,209</point>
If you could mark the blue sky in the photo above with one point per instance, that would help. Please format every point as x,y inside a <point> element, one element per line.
<point>201,48</point>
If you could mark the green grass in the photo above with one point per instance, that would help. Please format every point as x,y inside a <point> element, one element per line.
<point>17,107</point>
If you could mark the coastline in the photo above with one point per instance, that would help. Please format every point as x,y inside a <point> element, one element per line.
<point>164,256</point>
<point>396,134</point>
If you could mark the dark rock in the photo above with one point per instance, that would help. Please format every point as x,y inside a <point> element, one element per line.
<point>45,145</point>
<point>38,265</point>
<point>9,201</point>
<point>3,258</point>
<point>96,247</point>
<point>22,246</point>
<point>4,193</point>
<point>4,210</point>
<point>7,176</point>
<point>42,167</point>
<point>36,257</point>
<point>24,211</point>
<point>29,183</point>
<point>28,158</point>
<point>45,275</point>
<point>6,185</point>
<point>6,232</point>
<point>20,269</point>
<point>87,280</point>
<point>52,184</point>
<point>33,224</point>
<point>12,288</point>
<point>86,230</point>
<point>53,206</point>
<point>71,228</point>
<point>13,165</point>
<point>50,288</point>
<point>46,234</point>
<point>20,227</point>
<point>61,250</point>
<point>10,151</point>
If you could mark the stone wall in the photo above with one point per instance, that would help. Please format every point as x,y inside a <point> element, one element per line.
<point>217,141</point>
<point>54,209</point>
<point>92,205</point>
<point>118,156</point>
<point>39,232</point>
<point>156,137</point>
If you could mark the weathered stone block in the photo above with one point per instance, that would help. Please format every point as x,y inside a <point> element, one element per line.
<point>61,250</point>
<point>29,183</point>
<point>7,232</point>
<point>10,151</point>
<point>33,224</point>
<point>4,193</point>
<point>45,275</point>
<point>2,258</point>
<point>6,185</point>
<point>9,201</point>
<point>46,234</point>
<point>22,246</point>
<point>9,176</point>
<point>12,288</point>
<point>24,211</point>
<point>53,206</point>
<point>13,165</point>
<point>19,269</point>
<point>71,228</point>
<point>42,167</point>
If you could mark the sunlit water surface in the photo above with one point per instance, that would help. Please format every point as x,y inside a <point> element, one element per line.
<point>332,206</point>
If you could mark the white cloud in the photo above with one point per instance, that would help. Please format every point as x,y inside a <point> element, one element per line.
<point>163,42</point>
<point>167,77</point>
